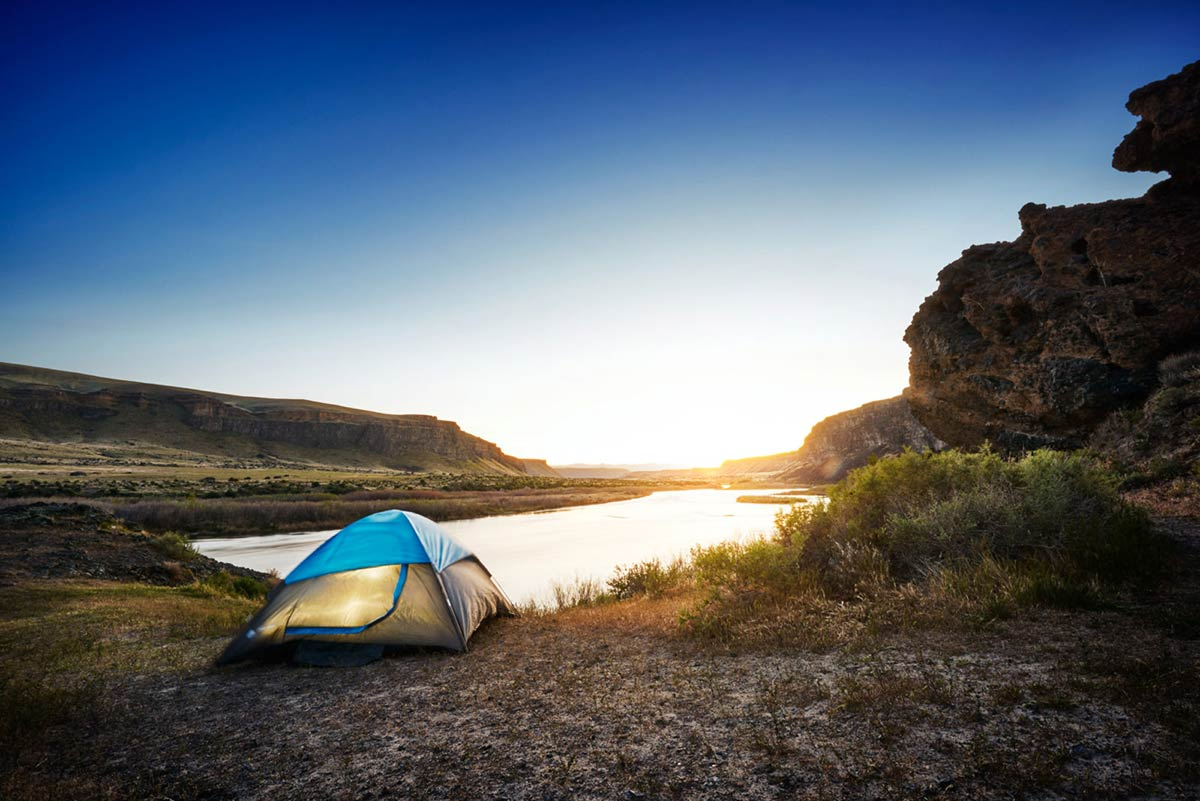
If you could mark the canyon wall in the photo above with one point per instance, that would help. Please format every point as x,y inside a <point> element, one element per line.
<point>847,440</point>
<point>50,405</point>
<point>1036,342</point>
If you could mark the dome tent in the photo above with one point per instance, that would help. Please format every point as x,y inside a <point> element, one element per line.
<point>392,578</point>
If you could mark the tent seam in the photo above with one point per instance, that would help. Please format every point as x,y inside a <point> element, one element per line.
<point>458,629</point>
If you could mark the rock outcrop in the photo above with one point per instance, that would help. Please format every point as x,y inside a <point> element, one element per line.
<point>1167,138</point>
<point>55,406</point>
<point>1035,342</point>
<point>847,440</point>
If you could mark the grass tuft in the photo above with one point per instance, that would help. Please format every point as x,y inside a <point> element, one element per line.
<point>583,591</point>
<point>222,583</point>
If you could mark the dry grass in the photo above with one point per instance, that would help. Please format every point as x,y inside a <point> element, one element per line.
<point>63,642</point>
<point>62,626</point>
<point>1178,497</point>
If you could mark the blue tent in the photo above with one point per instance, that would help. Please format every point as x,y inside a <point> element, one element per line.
<point>393,578</point>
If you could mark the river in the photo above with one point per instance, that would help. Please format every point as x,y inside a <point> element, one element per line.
<point>528,553</point>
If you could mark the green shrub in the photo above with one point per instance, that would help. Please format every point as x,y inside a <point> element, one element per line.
<point>651,578</point>
<point>222,583</point>
<point>175,546</point>
<point>755,564</point>
<point>966,533</point>
<point>920,509</point>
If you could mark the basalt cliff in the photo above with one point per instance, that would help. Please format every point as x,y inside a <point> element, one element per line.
<point>1038,341</point>
<point>844,441</point>
<point>42,405</point>
<point>837,445</point>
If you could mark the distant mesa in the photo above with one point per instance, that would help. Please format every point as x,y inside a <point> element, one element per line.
<point>581,470</point>
<point>41,405</point>
<point>539,467</point>
<point>1038,341</point>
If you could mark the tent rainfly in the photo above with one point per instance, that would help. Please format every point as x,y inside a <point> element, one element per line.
<point>393,578</point>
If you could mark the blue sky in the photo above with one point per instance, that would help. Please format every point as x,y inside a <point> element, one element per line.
<point>631,232</point>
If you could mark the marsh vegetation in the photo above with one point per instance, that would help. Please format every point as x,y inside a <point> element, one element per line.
<point>232,503</point>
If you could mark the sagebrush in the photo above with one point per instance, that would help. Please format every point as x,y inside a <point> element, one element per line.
<point>918,539</point>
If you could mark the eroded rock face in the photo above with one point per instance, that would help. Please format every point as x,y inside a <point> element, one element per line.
<point>1167,139</point>
<point>1034,342</point>
<point>50,405</point>
<point>844,441</point>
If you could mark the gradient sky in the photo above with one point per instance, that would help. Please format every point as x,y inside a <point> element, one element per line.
<point>636,232</point>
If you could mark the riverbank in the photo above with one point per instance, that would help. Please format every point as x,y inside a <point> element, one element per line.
<point>109,693</point>
<point>225,502</point>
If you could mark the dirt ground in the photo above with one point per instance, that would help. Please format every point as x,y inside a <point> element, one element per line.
<point>609,703</point>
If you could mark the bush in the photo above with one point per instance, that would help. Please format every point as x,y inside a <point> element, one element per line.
<point>222,583</point>
<point>759,564</point>
<point>651,578</point>
<point>969,532</point>
<point>175,546</point>
<point>919,510</point>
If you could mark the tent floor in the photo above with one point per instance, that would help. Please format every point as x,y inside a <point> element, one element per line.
<point>335,654</point>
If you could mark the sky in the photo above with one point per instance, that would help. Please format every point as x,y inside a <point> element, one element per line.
<point>644,232</point>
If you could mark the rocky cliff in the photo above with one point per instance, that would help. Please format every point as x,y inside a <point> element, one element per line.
<point>844,441</point>
<point>50,405</point>
<point>1035,342</point>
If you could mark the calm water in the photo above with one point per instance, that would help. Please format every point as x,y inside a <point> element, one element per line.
<point>527,553</point>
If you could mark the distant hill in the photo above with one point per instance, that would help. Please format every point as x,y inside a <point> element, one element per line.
<point>753,468</point>
<point>834,447</point>
<point>41,405</point>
